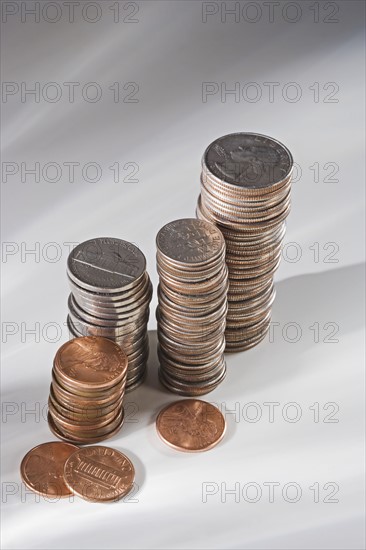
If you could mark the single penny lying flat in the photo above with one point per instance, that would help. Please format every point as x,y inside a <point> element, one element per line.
<point>99,474</point>
<point>42,469</point>
<point>191,425</point>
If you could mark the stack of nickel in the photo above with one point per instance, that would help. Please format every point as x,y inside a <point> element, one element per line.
<point>245,191</point>
<point>192,307</point>
<point>110,297</point>
<point>87,389</point>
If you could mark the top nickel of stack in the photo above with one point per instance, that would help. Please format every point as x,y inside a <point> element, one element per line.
<point>110,296</point>
<point>245,191</point>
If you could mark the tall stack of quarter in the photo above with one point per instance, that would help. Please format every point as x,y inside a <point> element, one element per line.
<point>192,307</point>
<point>87,389</point>
<point>110,296</point>
<point>245,191</point>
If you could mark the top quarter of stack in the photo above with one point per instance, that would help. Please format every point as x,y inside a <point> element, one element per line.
<point>252,162</point>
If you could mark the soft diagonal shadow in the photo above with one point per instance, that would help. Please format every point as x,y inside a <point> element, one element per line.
<point>310,311</point>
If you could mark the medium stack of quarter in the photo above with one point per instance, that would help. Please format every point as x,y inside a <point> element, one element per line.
<point>110,297</point>
<point>192,307</point>
<point>245,191</point>
<point>87,389</point>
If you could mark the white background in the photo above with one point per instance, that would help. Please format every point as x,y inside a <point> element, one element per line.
<point>170,52</point>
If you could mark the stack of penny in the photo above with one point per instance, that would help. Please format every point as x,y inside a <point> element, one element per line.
<point>87,389</point>
<point>245,191</point>
<point>110,297</point>
<point>192,306</point>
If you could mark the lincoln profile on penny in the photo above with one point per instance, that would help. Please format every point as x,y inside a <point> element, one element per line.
<point>93,358</point>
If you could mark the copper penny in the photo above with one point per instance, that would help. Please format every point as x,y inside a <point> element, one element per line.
<point>91,362</point>
<point>42,468</point>
<point>77,393</point>
<point>99,474</point>
<point>78,440</point>
<point>191,425</point>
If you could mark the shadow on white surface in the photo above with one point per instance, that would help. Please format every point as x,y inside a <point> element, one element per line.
<point>309,312</point>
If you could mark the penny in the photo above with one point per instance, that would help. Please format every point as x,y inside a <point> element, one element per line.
<point>42,469</point>
<point>67,392</point>
<point>81,433</point>
<point>91,362</point>
<point>75,409</point>
<point>191,425</point>
<point>76,438</point>
<point>73,423</point>
<point>99,474</point>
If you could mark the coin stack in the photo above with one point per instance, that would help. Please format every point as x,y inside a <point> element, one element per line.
<point>110,297</point>
<point>245,191</point>
<point>192,307</point>
<point>87,389</point>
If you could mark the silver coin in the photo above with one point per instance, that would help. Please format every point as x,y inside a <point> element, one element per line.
<point>110,299</point>
<point>106,265</point>
<point>190,241</point>
<point>245,191</point>
<point>112,315</point>
<point>248,160</point>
